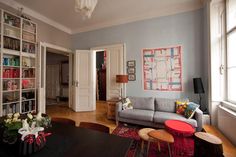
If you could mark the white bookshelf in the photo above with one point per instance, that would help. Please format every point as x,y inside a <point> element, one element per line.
<point>17,59</point>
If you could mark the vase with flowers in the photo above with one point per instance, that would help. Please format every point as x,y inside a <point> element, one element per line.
<point>26,132</point>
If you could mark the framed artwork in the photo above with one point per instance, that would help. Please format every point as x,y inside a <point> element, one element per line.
<point>131,63</point>
<point>131,70</point>
<point>64,73</point>
<point>131,77</point>
<point>162,69</point>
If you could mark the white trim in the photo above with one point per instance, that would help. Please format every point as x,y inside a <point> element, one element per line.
<point>42,107</point>
<point>123,45</point>
<point>52,46</point>
<point>30,12</point>
<point>229,105</point>
<point>171,11</point>
<point>107,46</point>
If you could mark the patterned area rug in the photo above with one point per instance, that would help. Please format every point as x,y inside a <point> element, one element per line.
<point>182,147</point>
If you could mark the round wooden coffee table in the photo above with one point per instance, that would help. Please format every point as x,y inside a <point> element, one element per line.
<point>143,134</point>
<point>162,135</point>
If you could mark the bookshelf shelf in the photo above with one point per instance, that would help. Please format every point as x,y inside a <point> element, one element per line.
<point>18,47</point>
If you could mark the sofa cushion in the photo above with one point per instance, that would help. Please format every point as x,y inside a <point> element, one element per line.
<point>137,114</point>
<point>161,117</point>
<point>142,103</point>
<point>165,105</point>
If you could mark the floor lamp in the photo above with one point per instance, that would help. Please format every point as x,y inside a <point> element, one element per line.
<point>121,79</point>
<point>198,89</point>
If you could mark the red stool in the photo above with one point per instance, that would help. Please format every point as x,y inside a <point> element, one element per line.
<point>182,133</point>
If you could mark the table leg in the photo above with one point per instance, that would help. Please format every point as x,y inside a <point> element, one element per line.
<point>159,147</point>
<point>169,149</point>
<point>148,147</point>
<point>142,144</point>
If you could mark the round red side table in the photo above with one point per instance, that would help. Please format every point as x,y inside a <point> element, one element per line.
<point>183,135</point>
<point>179,128</point>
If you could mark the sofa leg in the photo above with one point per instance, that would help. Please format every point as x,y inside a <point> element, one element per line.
<point>117,123</point>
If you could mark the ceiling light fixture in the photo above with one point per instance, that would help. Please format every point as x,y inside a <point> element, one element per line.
<point>85,7</point>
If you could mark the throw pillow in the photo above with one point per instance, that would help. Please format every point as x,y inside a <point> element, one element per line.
<point>190,110</point>
<point>181,107</point>
<point>127,104</point>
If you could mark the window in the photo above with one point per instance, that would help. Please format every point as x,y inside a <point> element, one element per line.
<point>231,50</point>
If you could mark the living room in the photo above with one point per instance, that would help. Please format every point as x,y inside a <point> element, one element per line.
<point>158,54</point>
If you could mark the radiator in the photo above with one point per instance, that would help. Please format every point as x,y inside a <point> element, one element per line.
<point>227,123</point>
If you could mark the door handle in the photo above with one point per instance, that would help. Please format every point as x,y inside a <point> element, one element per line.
<point>76,83</point>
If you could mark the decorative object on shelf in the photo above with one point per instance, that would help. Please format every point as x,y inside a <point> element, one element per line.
<point>162,69</point>
<point>131,70</point>
<point>26,132</point>
<point>11,19</point>
<point>20,13</point>
<point>86,7</point>
<point>198,89</point>
<point>121,79</point>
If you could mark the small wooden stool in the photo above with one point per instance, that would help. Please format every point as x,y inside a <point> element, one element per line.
<point>162,135</point>
<point>207,145</point>
<point>143,134</point>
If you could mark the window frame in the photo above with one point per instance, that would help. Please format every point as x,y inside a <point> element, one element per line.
<point>227,34</point>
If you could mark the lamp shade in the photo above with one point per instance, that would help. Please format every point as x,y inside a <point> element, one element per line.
<point>121,78</point>
<point>198,86</point>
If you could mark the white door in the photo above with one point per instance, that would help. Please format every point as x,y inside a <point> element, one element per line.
<point>115,66</point>
<point>42,78</point>
<point>84,84</point>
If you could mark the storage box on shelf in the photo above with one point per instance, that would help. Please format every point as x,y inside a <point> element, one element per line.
<point>18,57</point>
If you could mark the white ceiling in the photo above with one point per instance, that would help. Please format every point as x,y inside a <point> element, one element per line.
<point>61,14</point>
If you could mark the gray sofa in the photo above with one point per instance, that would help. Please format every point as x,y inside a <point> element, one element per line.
<point>153,112</point>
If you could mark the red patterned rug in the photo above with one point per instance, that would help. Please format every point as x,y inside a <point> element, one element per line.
<point>182,147</point>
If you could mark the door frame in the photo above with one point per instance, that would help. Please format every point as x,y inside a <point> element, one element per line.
<point>61,50</point>
<point>104,47</point>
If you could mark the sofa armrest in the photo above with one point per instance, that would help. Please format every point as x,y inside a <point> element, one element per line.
<point>198,116</point>
<point>118,109</point>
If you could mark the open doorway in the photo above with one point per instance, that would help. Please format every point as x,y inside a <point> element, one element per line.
<point>101,76</point>
<point>57,78</point>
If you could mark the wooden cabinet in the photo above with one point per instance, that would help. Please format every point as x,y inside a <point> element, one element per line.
<point>111,109</point>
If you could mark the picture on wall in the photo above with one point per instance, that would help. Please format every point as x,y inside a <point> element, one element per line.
<point>131,70</point>
<point>131,63</point>
<point>131,77</point>
<point>162,69</point>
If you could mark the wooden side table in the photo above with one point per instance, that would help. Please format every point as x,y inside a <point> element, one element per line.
<point>143,134</point>
<point>111,108</point>
<point>207,145</point>
<point>162,135</point>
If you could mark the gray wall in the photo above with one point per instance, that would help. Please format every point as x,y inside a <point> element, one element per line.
<point>47,33</point>
<point>184,29</point>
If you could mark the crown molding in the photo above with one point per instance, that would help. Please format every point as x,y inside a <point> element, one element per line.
<point>170,11</point>
<point>34,14</point>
